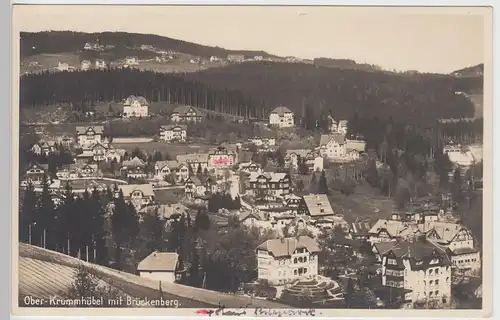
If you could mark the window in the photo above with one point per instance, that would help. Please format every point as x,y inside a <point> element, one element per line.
<point>430,272</point>
<point>437,282</point>
<point>437,292</point>
<point>391,261</point>
<point>430,283</point>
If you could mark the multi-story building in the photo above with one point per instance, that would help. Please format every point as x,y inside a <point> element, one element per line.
<point>173,132</point>
<point>420,266</point>
<point>197,161</point>
<point>139,195</point>
<point>34,174</point>
<point>457,240</point>
<point>392,230</point>
<point>186,114</point>
<point>269,186</point>
<point>333,146</point>
<point>172,167</point>
<point>135,107</point>
<point>88,136</point>
<point>135,168</point>
<point>281,261</point>
<point>281,117</point>
<point>221,157</point>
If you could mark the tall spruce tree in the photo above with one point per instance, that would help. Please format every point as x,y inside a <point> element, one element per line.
<point>27,215</point>
<point>322,184</point>
<point>46,217</point>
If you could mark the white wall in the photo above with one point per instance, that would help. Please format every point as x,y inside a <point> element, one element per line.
<point>158,275</point>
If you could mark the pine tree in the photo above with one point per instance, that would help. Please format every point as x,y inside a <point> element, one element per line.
<point>199,171</point>
<point>125,225</point>
<point>194,271</point>
<point>46,216</point>
<point>349,293</point>
<point>27,215</point>
<point>98,233</point>
<point>323,185</point>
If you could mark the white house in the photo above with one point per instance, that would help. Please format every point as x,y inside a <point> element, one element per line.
<point>86,65</point>
<point>333,146</point>
<point>214,59</point>
<point>135,107</point>
<point>62,66</point>
<point>87,136</point>
<point>174,132</point>
<point>131,61</point>
<point>100,64</point>
<point>421,268</point>
<point>281,261</point>
<point>160,266</point>
<point>281,117</point>
<point>139,195</point>
<point>342,127</point>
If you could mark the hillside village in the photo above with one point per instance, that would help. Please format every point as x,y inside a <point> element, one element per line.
<point>306,248</point>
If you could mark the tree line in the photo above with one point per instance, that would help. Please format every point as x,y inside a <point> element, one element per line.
<point>341,91</point>
<point>94,86</point>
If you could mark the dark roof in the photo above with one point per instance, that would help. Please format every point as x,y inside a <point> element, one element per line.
<point>347,242</point>
<point>419,250</point>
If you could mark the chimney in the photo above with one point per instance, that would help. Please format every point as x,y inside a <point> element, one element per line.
<point>282,240</point>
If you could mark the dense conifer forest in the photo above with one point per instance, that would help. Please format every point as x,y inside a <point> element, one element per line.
<point>253,89</point>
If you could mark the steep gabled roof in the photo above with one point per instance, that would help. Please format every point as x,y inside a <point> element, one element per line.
<point>146,189</point>
<point>281,110</point>
<point>83,129</point>
<point>326,138</point>
<point>183,110</point>
<point>318,205</point>
<point>285,247</point>
<point>135,162</point>
<point>159,261</point>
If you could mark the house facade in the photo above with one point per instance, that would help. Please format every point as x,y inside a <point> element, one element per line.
<point>87,136</point>
<point>281,117</point>
<point>197,161</point>
<point>99,151</point>
<point>420,267</point>
<point>134,168</point>
<point>139,195</point>
<point>185,114</point>
<point>221,157</point>
<point>100,64</point>
<point>160,266</point>
<point>170,133</point>
<point>333,146</point>
<point>35,173</point>
<point>280,261</point>
<point>135,107</point>
<point>269,186</point>
<point>86,65</point>
<point>132,61</point>
<point>457,240</point>
<point>193,187</point>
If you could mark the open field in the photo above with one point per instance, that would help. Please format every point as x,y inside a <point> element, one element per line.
<point>49,61</point>
<point>170,148</point>
<point>365,202</point>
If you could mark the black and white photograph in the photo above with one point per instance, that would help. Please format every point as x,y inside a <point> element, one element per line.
<point>252,160</point>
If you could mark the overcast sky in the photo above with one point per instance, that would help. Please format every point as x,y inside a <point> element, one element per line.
<point>421,39</point>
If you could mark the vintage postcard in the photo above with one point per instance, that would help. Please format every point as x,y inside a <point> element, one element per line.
<point>252,160</point>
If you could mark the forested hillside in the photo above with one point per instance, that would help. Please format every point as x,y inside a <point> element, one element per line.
<point>253,89</point>
<point>69,41</point>
<point>38,90</point>
<point>342,91</point>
